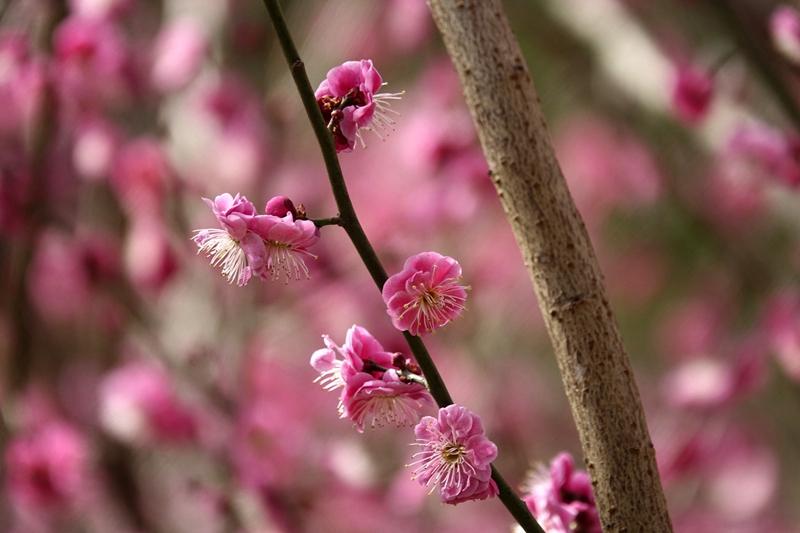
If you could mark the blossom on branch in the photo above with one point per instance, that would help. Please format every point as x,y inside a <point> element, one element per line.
<point>378,386</point>
<point>249,244</point>
<point>562,499</point>
<point>425,295</point>
<point>456,456</point>
<point>349,103</point>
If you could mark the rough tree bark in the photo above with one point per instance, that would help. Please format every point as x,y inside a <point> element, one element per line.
<point>560,259</point>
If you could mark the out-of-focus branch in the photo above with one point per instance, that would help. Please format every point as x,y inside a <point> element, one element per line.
<point>759,57</point>
<point>559,256</point>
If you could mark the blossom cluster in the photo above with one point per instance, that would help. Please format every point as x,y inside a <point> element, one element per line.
<point>376,387</point>
<point>268,246</point>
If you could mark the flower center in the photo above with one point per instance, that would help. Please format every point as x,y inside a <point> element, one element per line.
<point>453,452</point>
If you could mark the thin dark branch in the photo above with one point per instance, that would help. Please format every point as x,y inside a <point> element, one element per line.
<point>350,222</point>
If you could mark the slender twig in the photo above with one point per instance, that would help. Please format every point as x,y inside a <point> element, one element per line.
<point>332,221</point>
<point>351,225</point>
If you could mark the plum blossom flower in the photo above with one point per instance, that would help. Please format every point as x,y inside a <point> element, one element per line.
<point>240,253</point>
<point>784,26</point>
<point>456,456</point>
<point>562,499</point>
<point>251,244</point>
<point>377,387</point>
<point>286,241</point>
<point>349,103</point>
<point>692,92</point>
<point>425,295</point>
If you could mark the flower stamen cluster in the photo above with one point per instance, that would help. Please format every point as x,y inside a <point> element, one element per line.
<point>456,456</point>
<point>376,385</point>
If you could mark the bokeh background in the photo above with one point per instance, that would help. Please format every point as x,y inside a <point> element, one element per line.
<point>141,392</point>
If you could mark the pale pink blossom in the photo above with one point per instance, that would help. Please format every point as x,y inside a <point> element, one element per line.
<point>150,259</point>
<point>349,103</point>
<point>425,295</point>
<point>47,468</point>
<point>784,26</point>
<point>138,405</point>
<point>179,52</point>
<point>456,456</point>
<point>94,151</point>
<point>374,392</point>
<point>142,175</point>
<point>286,241</point>
<point>692,91</point>
<point>562,499</point>
<point>240,253</point>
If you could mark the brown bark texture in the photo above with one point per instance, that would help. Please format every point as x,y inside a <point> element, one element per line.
<point>559,256</point>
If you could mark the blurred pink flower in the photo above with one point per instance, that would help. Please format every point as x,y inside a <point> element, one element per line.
<point>606,167</point>
<point>95,148</point>
<point>781,323</point>
<point>22,84</point>
<point>456,456</point>
<point>179,51</point>
<point>138,405</point>
<point>425,295</point>
<point>92,64</point>
<point>47,468</point>
<point>142,175</point>
<point>784,25</point>
<point>692,91</point>
<point>349,103</point>
<point>150,259</point>
<point>562,499</point>
<point>758,154</point>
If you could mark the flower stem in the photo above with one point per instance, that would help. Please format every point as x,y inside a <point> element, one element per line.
<point>352,226</point>
<point>332,221</point>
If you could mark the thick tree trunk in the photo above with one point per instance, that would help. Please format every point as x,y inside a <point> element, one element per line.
<point>594,366</point>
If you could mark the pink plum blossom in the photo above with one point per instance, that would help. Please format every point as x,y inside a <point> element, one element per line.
<point>692,91</point>
<point>252,244</point>
<point>456,456</point>
<point>138,405</point>
<point>238,251</point>
<point>562,499</point>
<point>375,390</point>
<point>784,26</point>
<point>349,103</point>
<point>425,295</point>
<point>389,400</point>
<point>287,241</point>
<point>47,468</point>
